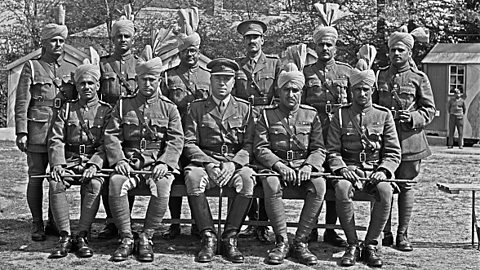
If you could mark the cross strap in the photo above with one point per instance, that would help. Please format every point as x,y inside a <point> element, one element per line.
<point>121,78</point>
<point>84,126</point>
<point>285,125</point>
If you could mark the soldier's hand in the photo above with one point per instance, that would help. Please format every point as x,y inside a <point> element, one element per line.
<point>288,174</point>
<point>377,177</point>
<point>57,172</point>
<point>122,167</point>
<point>89,172</point>
<point>405,116</point>
<point>349,175</point>
<point>22,141</point>
<point>213,171</point>
<point>159,171</point>
<point>304,173</point>
<point>226,172</point>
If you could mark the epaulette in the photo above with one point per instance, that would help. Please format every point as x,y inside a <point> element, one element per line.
<point>383,68</point>
<point>346,105</point>
<point>128,96</point>
<point>166,99</point>
<point>308,107</point>
<point>204,68</point>
<point>417,71</point>
<point>271,107</point>
<point>274,56</point>
<point>376,106</point>
<point>105,103</point>
<point>241,100</point>
<point>342,64</point>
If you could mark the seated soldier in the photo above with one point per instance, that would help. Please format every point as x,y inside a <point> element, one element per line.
<point>75,145</point>
<point>218,145</point>
<point>362,142</point>
<point>288,140</point>
<point>148,128</point>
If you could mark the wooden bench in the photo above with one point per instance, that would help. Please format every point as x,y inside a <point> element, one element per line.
<point>293,193</point>
<point>455,189</point>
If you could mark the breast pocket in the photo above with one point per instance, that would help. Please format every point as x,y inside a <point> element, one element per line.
<point>96,127</point>
<point>375,135</point>
<point>407,93</point>
<point>107,83</point>
<point>340,90</point>
<point>131,127</point>
<point>278,137</point>
<point>303,131</point>
<point>265,81</point>
<point>159,126</point>
<point>241,85</point>
<point>74,131</point>
<point>38,124</point>
<point>209,131</point>
<point>237,129</point>
<point>351,140</point>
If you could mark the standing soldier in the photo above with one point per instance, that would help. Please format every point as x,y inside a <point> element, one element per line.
<point>218,144</point>
<point>326,85</point>
<point>256,83</point>
<point>148,128</point>
<point>182,85</point>
<point>406,91</point>
<point>456,110</point>
<point>75,145</point>
<point>117,81</point>
<point>288,140</point>
<point>43,86</point>
<point>362,142</point>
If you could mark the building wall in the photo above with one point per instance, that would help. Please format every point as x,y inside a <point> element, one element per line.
<point>472,101</point>
<point>438,75</point>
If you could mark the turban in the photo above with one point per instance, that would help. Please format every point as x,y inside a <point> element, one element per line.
<point>52,30</point>
<point>292,75</point>
<point>325,32</point>
<point>190,40</point>
<point>126,25</point>
<point>87,69</point>
<point>365,77</point>
<point>152,66</point>
<point>402,37</point>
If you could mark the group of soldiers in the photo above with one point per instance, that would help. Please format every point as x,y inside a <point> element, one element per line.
<point>220,126</point>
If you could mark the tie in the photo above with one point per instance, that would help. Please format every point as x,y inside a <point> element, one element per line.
<point>251,63</point>
<point>222,106</point>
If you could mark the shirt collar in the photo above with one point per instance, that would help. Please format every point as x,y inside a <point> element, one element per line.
<point>50,59</point>
<point>89,103</point>
<point>126,56</point>
<point>217,101</point>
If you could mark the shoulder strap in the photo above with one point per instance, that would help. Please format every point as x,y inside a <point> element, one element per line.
<point>122,79</point>
<point>290,132</point>
<point>153,135</point>
<point>31,68</point>
<point>84,126</point>
<point>362,134</point>
<point>185,82</point>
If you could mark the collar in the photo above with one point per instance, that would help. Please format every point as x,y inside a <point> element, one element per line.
<point>89,103</point>
<point>256,58</point>
<point>217,101</point>
<point>403,68</point>
<point>126,56</point>
<point>288,111</point>
<point>51,59</point>
<point>322,65</point>
<point>149,100</point>
<point>359,109</point>
<point>183,68</point>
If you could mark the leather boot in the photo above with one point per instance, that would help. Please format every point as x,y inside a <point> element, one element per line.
<point>331,237</point>
<point>302,253</point>
<point>370,257</point>
<point>201,213</point>
<point>279,252</point>
<point>144,248</point>
<point>38,231</point>
<point>229,248</point>
<point>63,246</point>
<point>313,237</point>
<point>403,244</point>
<point>124,250</point>
<point>209,247</point>
<point>83,250</point>
<point>351,255</point>
<point>387,240</point>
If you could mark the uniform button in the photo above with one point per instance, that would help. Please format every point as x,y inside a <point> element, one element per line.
<point>291,139</point>
<point>145,118</point>
<point>146,106</point>
<point>144,129</point>
<point>85,121</point>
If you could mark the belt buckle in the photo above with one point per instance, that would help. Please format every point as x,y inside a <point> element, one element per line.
<point>143,144</point>
<point>81,149</point>
<point>57,103</point>
<point>39,98</point>
<point>328,108</point>
<point>289,155</point>
<point>362,156</point>
<point>224,149</point>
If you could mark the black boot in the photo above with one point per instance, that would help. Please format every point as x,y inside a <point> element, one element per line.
<point>351,255</point>
<point>38,231</point>
<point>370,257</point>
<point>279,252</point>
<point>313,237</point>
<point>331,237</point>
<point>387,240</point>
<point>403,244</point>
<point>144,249</point>
<point>83,250</point>
<point>229,248</point>
<point>124,250</point>
<point>63,246</point>
<point>209,247</point>
<point>302,253</point>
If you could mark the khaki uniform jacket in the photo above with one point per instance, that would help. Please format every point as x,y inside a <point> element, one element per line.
<point>412,87</point>
<point>260,84</point>
<point>67,135</point>
<point>43,86</point>
<point>197,85</point>
<point>111,87</point>
<point>344,143</point>
<point>272,141</point>
<point>207,131</point>
<point>125,131</point>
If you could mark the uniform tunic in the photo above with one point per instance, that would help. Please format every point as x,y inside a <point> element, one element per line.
<point>408,89</point>
<point>43,86</point>
<point>113,67</point>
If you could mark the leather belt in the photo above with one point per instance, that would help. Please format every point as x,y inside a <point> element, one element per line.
<point>256,101</point>
<point>291,154</point>
<point>81,149</point>
<point>223,148</point>
<point>40,101</point>
<point>142,144</point>
<point>361,156</point>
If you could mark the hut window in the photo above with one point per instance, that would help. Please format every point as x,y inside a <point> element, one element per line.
<point>457,79</point>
